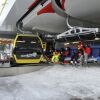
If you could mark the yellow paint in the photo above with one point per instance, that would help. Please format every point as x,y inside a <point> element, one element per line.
<point>3,7</point>
<point>44,46</point>
<point>26,61</point>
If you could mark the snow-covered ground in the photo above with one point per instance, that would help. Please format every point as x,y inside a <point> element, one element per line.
<point>53,83</point>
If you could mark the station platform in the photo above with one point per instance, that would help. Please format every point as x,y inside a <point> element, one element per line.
<point>6,70</point>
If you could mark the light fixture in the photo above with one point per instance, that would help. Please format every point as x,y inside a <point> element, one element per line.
<point>33,42</point>
<point>66,43</point>
<point>97,38</point>
<point>75,42</point>
<point>2,5</point>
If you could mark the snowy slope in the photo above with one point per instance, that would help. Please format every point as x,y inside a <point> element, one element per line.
<point>53,83</point>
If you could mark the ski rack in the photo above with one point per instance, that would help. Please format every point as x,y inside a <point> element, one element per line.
<point>77,31</point>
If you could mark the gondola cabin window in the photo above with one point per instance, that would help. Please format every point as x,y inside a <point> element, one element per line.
<point>28,47</point>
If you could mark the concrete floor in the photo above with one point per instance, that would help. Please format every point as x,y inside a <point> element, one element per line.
<point>8,65</point>
<point>6,70</point>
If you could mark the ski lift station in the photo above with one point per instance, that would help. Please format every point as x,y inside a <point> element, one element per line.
<point>49,49</point>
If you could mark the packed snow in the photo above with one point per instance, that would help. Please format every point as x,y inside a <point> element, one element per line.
<point>53,83</point>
